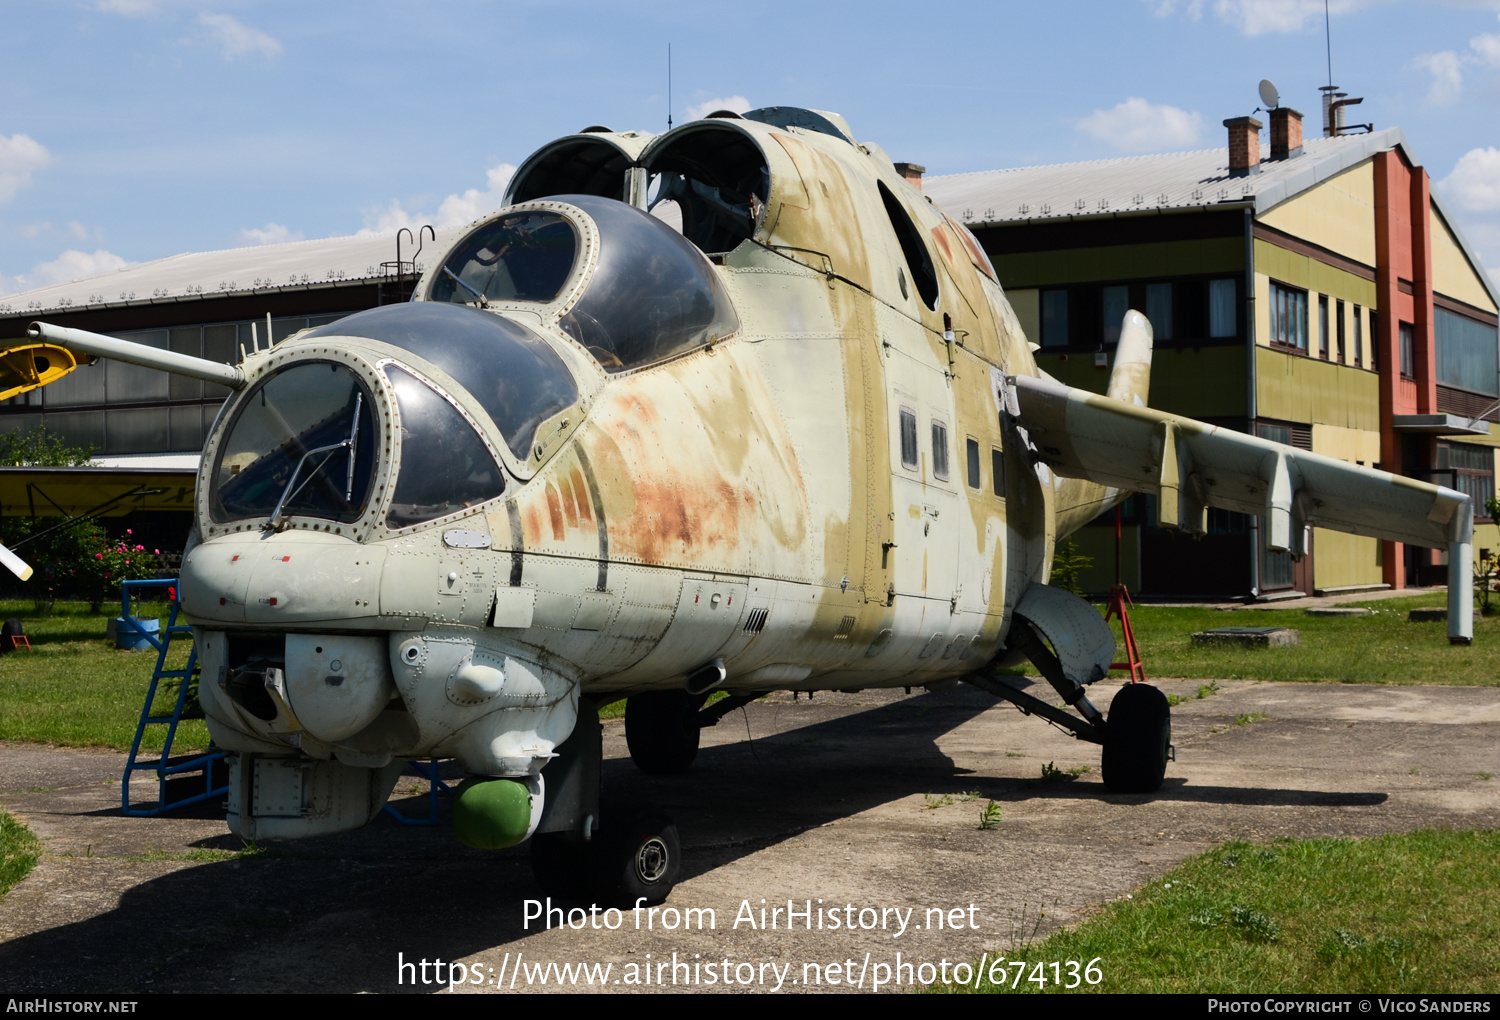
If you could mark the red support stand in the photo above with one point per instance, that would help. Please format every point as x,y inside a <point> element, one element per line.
<point>1119,599</point>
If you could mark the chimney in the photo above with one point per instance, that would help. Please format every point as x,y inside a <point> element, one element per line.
<point>912,172</point>
<point>1244,146</point>
<point>1286,133</point>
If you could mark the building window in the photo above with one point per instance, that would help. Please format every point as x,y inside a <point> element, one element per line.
<point>1116,303</point>
<point>1466,353</point>
<point>1338,325</point>
<point>1359,338</point>
<point>1054,318</point>
<point>940,450</point>
<point>971,451</point>
<point>908,439</point>
<point>1288,317</point>
<point>1159,309</point>
<point>1222,317</point>
<point>1323,326</point>
<point>1473,470</point>
<point>1408,352</point>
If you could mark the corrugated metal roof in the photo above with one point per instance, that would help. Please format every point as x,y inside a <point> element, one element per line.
<point>1171,180</point>
<point>267,268</point>
<point>1135,185</point>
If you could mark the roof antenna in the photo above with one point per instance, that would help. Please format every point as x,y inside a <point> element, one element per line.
<point>669,86</point>
<point>1328,40</point>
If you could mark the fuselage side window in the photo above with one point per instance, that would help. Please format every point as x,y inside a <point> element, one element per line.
<point>971,451</point>
<point>940,450</point>
<point>908,439</point>
<point>997,472</point>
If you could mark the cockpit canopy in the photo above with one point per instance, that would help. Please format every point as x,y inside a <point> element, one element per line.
<point>516,377</point>
<point>647,293</point>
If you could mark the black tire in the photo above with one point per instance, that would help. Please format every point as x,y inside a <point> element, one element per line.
<point>661,729</point>
<point>9,631</point>
<point>637,861</point>
<point>560,863</point>
<point>1137,740</point>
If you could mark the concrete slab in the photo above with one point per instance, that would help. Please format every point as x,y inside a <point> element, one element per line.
<point>1249,637</point>
<point>865,802</point>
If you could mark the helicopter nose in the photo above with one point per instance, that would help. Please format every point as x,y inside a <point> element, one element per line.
<point>281,579</point>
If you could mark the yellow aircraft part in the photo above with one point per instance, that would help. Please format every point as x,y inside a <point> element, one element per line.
<point>28,366</point>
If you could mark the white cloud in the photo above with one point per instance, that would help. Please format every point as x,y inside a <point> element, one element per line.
<point>1447,69</point>
<point>1486,48</point>
<point>31,231</point>
<point>237,38</point>
<point>1192,9</point>
<point>78,230</point>
<point>454,211</point>
<point>737,104</point>
<point>69,266</point>
<point>1257,17</point>
<point>75,265</point>
<point>1475,180</point>
<point>457,210</point>
<point>271,233</point>
<point>128,8</point>
<point>1138,126</point>
<point>20,156</point>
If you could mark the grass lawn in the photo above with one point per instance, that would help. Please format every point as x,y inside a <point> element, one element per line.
<point>19,851</point>
<point>1410,913</point>
<point>75,688</point>
<point>1382,648</point>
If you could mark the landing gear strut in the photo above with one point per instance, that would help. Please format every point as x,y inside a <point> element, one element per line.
<point>608,854</point>
<point>661,729</point>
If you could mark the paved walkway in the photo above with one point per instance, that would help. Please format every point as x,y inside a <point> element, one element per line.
<point>862,800</point>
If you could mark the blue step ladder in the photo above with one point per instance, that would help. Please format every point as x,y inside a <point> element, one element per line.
<point>429,772</point>
<point>166,766</point>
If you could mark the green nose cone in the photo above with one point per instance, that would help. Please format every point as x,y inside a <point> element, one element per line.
<point>491,814</point>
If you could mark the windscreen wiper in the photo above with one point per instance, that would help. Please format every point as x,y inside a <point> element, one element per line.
<point>484,302</point>
<point>348,444</point>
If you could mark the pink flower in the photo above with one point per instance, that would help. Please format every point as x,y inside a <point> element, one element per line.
<point>98,556</point>
<point>129,532</point>
<point>157,551</point>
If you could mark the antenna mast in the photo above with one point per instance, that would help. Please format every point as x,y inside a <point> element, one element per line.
<point>669,86</point>
<point>1328,39</point>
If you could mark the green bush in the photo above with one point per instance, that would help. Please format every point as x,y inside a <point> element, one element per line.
<point>79,559</point>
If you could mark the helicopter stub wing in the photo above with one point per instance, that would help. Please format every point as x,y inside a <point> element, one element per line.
<point>1191,466</point>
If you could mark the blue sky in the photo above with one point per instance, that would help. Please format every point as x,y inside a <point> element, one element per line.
<point>135,129</point>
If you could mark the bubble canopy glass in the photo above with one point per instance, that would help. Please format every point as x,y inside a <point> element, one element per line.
<point>650,293</point>
<point>516,377</point>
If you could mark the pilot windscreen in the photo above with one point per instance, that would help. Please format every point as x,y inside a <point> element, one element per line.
<point>521,257</point>
<point>295,435</point>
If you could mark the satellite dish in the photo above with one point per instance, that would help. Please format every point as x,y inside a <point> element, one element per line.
<point>1268,94</point>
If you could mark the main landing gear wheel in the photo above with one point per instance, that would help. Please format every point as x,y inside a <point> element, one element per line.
<point>1137,740</point>
<point>661,728</point>
<point>638,861</point>
<point>623,863</point>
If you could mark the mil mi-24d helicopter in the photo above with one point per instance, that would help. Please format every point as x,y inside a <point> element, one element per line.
<point>797,442</point>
